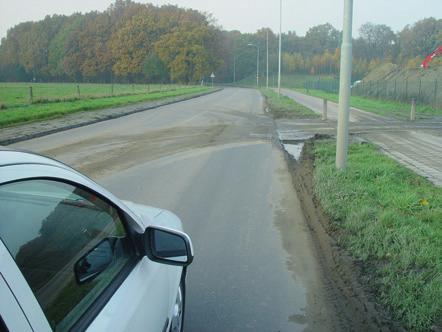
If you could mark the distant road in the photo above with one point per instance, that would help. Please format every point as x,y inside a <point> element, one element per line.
<point>211,160</point>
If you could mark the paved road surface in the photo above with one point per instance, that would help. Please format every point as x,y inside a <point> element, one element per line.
<point>417,145</point>
<point>211,160</point>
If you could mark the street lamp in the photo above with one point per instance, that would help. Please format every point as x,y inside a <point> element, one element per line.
<point>257,63</point>
<point>267,65</point>
<point>279,56</point>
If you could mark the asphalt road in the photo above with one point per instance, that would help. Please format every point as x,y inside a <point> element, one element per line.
<point>212,161</point>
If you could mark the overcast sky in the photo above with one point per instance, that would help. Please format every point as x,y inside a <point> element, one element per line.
<point>246,15</point>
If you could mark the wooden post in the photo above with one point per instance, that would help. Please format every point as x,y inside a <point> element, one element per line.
<point>395,89</point>
<point>413,110</point>
<point>406,89</point>
<point>324,110</point>
<point>420,89</point>
<point>31,95</point>
<point>435,93</point>
<point>78,91</point>
<point>112,89</point>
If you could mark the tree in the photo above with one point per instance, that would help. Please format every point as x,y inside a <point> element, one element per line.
<point>321,38</point>
<point>378,41</point>
<point>187,52</point>
<point>420,39</point>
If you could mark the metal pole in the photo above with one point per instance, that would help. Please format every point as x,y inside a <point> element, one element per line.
<point>279,57</point>
<point>267,68</point>
<point>234,69</point>
<point>344,87</point>
<point>257,66</point>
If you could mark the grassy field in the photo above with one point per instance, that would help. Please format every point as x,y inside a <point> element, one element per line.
<point>18,94</point>
<point>382,107</point>
<point>284,107</point>
<point>37,111</point>
<point>390,219</point>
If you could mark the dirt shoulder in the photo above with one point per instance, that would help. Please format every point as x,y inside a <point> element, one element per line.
<point>343,276</point>
<point>35,129</point>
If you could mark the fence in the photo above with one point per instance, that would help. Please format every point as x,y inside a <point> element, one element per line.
<point>424,92</point>
<point>21,94</point>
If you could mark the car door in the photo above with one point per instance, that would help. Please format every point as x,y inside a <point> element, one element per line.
<point>51,225</point>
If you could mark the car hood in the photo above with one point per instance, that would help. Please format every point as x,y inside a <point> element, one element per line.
<point>152,216</point>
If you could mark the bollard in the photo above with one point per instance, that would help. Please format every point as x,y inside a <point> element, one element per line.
<point>413,110</point>
<point>31,95</point>
<point>324,110</point>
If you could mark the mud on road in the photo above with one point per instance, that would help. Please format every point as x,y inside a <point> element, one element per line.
<point>343,277</point>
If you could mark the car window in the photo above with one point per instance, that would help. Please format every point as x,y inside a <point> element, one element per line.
<point>48,226</point>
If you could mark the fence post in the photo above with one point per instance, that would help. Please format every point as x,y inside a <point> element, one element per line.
<point>395,89</point>
<point>112,89</point>
<point>420,89</point>
<point>406,89</point>
<point>31,95</point>
<point>435,93</point>
<point>78,90</point>
<point>413,110</point>
<point>324,110</point>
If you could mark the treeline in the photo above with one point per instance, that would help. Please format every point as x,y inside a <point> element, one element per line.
<point>129,42</point>
<point>319,51</point>
<point>132,42</point>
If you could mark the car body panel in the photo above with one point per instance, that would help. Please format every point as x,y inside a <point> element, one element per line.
<point>11,313</point>
<point>22,292</point>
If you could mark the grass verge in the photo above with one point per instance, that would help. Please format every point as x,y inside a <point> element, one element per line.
<point>390,219</point>
<point>284,107</point>
<point>16,115</point>
<point>386,108</point>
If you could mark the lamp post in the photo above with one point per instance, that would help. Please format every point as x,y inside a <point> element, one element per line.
<point>267,68</point>
<point>234,69</point>
<point>344,88</point>
<point>257,63</point>
<point>279,56</point>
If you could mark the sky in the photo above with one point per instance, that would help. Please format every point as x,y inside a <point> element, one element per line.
<point>246,15</point>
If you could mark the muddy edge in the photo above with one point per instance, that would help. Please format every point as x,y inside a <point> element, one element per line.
<point>342,276</point>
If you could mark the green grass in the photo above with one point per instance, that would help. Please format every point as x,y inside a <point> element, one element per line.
<point>284,107</point>
<point>17,94</point>
<point>33,112</point>
<point>386,108</point>
<point>390,219</point>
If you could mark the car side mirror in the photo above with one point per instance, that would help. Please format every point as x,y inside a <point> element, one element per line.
<point>94,262</point>
<point>168,246</point>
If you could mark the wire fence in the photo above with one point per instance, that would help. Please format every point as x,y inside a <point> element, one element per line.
<point>423,91</point>
<point>23,94</point>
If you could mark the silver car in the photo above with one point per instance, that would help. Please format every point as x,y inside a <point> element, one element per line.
<point>75,257</point>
